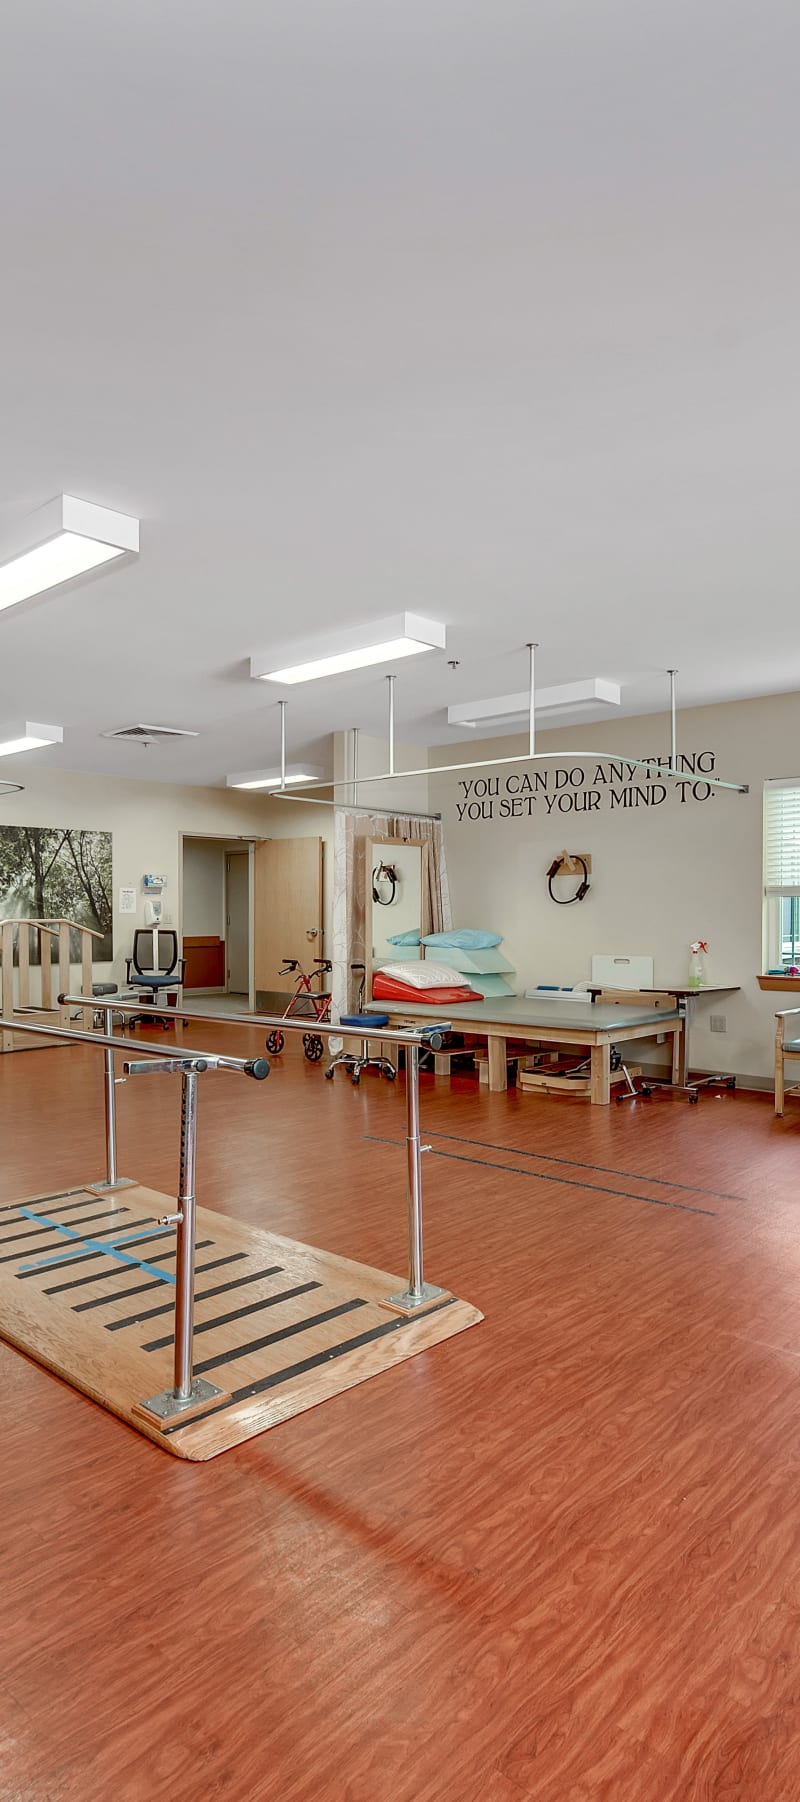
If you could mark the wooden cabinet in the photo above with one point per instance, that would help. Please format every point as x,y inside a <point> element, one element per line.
<point>205,962</point>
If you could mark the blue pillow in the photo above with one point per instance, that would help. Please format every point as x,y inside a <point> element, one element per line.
<point>465,938</point>
<point>406,938</point>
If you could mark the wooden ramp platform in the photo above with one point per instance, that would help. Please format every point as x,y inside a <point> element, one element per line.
<point>87,1288</point>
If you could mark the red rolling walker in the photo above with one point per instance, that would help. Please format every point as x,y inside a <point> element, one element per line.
<point>306,1002</point>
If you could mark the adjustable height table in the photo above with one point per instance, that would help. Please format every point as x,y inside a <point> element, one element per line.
<point>685,999</point>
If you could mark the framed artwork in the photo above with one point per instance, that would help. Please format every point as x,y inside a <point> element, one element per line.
<point>55,872</point>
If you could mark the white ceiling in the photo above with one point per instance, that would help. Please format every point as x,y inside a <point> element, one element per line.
<point>485,310</point>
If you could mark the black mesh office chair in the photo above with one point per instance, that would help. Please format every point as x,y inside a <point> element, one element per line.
<point>157,971</point>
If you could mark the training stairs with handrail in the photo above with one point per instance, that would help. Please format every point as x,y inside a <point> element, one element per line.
<point>26,953</point>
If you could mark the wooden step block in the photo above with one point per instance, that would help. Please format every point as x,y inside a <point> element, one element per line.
<point>572,1085</point>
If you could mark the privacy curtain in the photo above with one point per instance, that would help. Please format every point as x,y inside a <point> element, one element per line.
<point>350,834</point>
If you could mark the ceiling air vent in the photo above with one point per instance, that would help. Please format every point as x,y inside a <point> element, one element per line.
<point>145,735</point>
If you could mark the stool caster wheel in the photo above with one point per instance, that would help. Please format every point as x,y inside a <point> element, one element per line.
<point>329,1075</point>
<point>731,1084</point>
<point>390,1075</point>
<point>355,1078</point>
<point>644,1090</point>
<point>694,1098</point>
<point>275,1042</point>
<point>313,1046</point>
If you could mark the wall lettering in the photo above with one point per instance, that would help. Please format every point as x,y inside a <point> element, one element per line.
<point>579,789</point>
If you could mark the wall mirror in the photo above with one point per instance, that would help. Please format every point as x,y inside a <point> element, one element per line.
<point>395,874</point>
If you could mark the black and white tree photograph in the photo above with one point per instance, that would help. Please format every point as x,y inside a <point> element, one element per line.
<point>58,873</point>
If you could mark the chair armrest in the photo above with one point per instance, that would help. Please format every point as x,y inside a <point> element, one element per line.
<point>786,1013</point>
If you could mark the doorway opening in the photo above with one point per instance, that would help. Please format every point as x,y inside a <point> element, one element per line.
<point>217,891</point>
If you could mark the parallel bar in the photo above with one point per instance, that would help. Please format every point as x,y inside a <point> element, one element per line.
<point>111,1103</point>
<point>187,1203</point>
<point>414,1153</point>
<point>282,705</point>
<point>130,1004</point>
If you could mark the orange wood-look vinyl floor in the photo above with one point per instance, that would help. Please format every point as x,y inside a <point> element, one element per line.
<point>556,1557</point>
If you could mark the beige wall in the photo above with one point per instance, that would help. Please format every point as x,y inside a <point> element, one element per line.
<point>203,887</point>
<point>146,820</point>
<point>663,874</point>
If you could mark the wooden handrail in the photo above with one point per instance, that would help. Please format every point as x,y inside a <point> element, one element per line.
<point>75,924</point>
<point>12,920</point>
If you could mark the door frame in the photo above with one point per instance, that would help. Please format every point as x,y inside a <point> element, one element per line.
<point>245,843</point>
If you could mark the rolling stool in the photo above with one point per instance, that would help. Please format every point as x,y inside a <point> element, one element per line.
<point>356,1062</point>
<point>99,990</point>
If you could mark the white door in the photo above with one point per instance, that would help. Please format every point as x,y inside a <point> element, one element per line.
<point>237,922</point>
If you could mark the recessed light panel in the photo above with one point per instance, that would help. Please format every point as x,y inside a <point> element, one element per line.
<point>380,641</point>
<point>64,539</point>
<point>27,735</point>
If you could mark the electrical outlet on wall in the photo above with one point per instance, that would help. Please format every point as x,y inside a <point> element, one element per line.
<point>717,1023</point>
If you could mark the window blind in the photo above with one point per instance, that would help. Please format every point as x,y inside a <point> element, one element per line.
<point>782,837</point>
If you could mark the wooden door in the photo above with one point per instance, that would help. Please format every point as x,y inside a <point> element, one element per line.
<point>288,908</point>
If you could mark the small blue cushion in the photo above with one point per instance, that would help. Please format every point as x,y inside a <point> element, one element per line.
<point>155,982</point>
<point>363,1019</point>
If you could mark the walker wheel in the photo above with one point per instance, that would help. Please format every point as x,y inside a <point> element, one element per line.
<point>275,1042</point>
<point>644,1090</point>
<point>390,1075</point>
<point>313,1046</point>
<point>694,1098</point>
<point>356,1078</point>
<point>329,1074</point>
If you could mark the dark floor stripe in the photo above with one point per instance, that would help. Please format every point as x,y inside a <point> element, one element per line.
<point>80,1238</point>
<point>253,1307</point>
<point>84,1257</point>
<point>285,1332</point>
<point>102,1276</point>
<point>546,1157</point>
<point>253,1276</point>
<point>276,1377</point>
<point>460,1157</point>
<point>98,1301</point>
<point>109,1232</point>
<point>57,1195</point>
<point>33,1232</point>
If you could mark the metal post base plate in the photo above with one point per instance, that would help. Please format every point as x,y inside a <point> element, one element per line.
<point>166,1408</point>
<point>411,1301</point>
<point>104,1188</point>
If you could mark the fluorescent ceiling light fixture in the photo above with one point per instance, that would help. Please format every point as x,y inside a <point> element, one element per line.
<point>296,774</point>
<point>506,709</point>
<point>66,538</point>
<point>378,641</point>
<point>27,735</point>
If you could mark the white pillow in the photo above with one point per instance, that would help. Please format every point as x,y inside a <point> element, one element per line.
<point>426,975</point>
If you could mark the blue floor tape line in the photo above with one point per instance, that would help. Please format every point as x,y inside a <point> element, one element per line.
<point>109,1250</point>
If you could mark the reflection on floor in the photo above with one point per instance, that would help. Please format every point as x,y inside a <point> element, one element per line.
<point>555,1558</point>
<point>216,1004</point>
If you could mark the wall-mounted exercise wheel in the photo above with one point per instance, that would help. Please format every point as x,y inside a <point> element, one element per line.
<point>313,1046</point>
<point>275,1042</point>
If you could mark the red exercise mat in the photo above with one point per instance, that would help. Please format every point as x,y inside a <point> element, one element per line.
<point>389,988</point>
